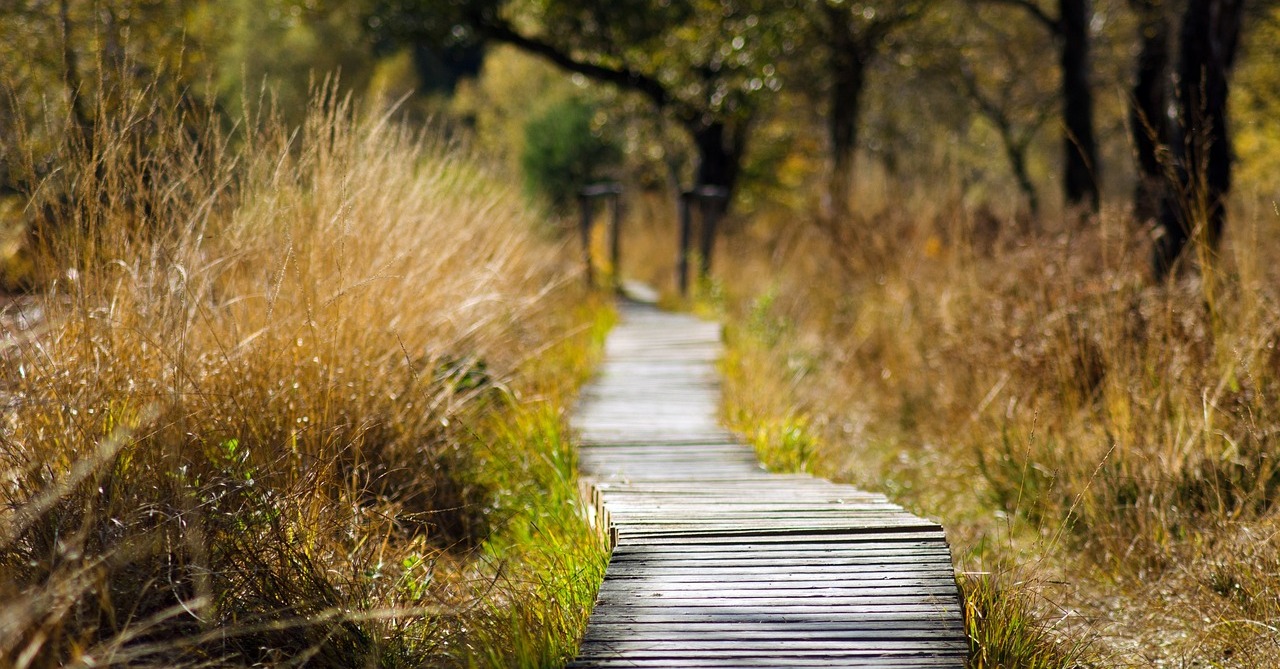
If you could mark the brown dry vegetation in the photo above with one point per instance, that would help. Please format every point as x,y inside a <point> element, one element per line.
<point>288,397</point>
<point>1102,450</point>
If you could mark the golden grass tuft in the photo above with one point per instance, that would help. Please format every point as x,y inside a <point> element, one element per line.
<point>1027,384</point>
<point>243,404</point>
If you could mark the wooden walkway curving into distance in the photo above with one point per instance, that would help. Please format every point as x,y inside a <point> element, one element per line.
<point>718,563</point>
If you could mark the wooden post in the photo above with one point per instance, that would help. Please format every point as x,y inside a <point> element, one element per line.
<point>584,205</point>
<point>709,205</point>
<point>585,201</point>
<point>615,239</point>
<point>682,260</point>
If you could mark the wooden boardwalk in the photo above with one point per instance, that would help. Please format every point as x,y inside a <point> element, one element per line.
<point>718,563</point>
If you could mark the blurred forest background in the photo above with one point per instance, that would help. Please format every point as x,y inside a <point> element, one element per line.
<point>1020,103</point>
<point>1012,262</point>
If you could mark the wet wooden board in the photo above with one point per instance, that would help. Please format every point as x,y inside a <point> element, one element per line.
<point>719,563</point>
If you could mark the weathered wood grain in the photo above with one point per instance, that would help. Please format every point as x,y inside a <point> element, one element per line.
<point>719,563</point>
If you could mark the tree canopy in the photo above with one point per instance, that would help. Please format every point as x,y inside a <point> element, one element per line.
<point>706,64</point>
<point>774,92</point>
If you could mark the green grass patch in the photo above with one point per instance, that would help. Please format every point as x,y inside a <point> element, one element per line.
<point>546,553</point>
<point>1004,631</point>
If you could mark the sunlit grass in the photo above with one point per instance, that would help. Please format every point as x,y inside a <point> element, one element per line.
<point>290,397</point>
<point>1034,391</point>
<point>1006,631</point>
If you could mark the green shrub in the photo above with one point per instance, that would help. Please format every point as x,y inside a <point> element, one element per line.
<point>564,152</point>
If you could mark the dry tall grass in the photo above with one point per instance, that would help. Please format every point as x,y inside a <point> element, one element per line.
<point>241,429</point>
<point>1035,391</point>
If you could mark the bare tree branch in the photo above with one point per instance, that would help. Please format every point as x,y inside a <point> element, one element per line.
<point>621,76</point>
<point>1052,23</point>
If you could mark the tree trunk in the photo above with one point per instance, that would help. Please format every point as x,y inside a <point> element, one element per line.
<point>1210,34</point>
<point>719,146</point>
<point>848,80</point>
<point>1148,107</point>
<point>1015,150</point>
<point>847,67</point>
<point>1080,149</point>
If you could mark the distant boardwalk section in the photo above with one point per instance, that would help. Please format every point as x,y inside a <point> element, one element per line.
<point>718,563</point>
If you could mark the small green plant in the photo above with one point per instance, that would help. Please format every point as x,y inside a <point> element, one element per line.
<point>1005,633</point>
<point>759,398</point>
<point>784,443</point>
<point>762,321</point>
<point>415,576</point>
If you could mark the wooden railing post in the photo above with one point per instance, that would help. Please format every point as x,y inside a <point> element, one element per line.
<point>711,204</point>
<point>615,239</point>
<point>584,229</point>
<point>682,260</point>
<point>707,238</point>
<point>585,202</point>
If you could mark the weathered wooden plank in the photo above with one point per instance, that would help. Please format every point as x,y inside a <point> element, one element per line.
<point>859,616</point>
<point>812,571</point>
<point>779,508</point>
<point>877,544</point>
<point>780,662</point>
<point>756,646</point>
<point>942,623</point>
<point>812,662</point>
<point>654,514</point>
<point>830,638</point>
<point>693,528</point>
<point>738,649</point>
<point>780,484</point>
<point>783,518</point>
<point>884,598</point>
<point>661,583</point>
<point>790,663</point>
<point>870,538</point>
<point>771,562</point>
<point>839,649</point>
<point>756,487</point>
<point>849,637</point>
<point>839,635</point>
<point>890,620</point>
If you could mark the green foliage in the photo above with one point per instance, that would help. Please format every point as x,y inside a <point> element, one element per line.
<point>709,66</point>
<point>565,150</point>
<point>760,408</point>
<point>1005,632</point>
<point>545,547</point>
<point>1018,472</point>
<point>279,50</point>
<point>1255,103</point>
<point>710,56</point>
<point>783,444</point>
<point>763,322</point>
<point>61,62</point>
